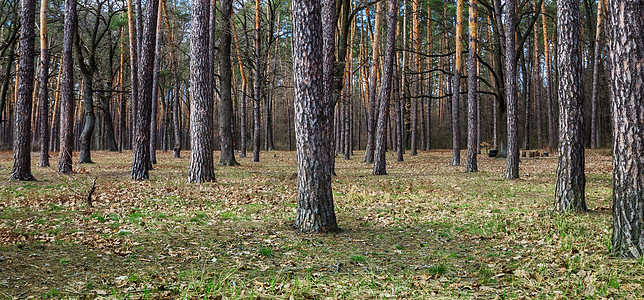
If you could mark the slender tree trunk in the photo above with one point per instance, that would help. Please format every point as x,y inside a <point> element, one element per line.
<point>526,100</point>
<point>552,142</point>
<point>44,79</point>
<point>625,36</point>
<point>537,84</point>
<point>242,122</point>
<point>257,85</point>
<point>24,97</point>
<point>141,138</point>
<point>400,105</point>
<point>512,159</point>
<point>456,88</point>
<point>315,211</point>
<point>371,122</point>
<point>379,166</point>
<point>155,90</point>
<point>428,116</point>
<point>329,24</point>
<point>67,90</point>
<point>122,100</point>
<point>594,128</point>
<point>225,67</point>
<point>472,85</point>
<point>415,40</point>
<point>134,63</point>
<point>571,180</point>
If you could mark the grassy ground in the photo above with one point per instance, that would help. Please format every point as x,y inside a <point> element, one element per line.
<point>426,230</point>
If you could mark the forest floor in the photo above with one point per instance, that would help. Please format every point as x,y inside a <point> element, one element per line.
<point>426,230</point>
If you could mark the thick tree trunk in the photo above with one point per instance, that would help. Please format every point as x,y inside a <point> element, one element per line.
<point>594,128</point>
<point>24,97</point>
<point>201,158</point>
<point>141,138</point>
<point>512,159</point>
<point>44,93</point>
<point>371,118</point>
<point>625,35</point>
<point>571,181</point>
<point>456,87</point>
<point>329,24</point>
<point>67,90</point>
<point>472,85</point>
<point>134,64</point>
<point>226,102</point>
<point>315,212</point>
<point>379,166</point>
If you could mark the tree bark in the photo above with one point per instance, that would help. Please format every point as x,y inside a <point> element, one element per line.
<point>371,118</point>
<point>456,87</point>
<point>141,138</point>
<point>571,181</point>
<point>257,85</point>
<point>242,122</point>
<point>155,90</point>
<point>201,158</point>
<point>67,90</point>
<point>315,212</point>
<point>24,97</point>
<point>625,36</point>
<point>552,142</point>
<point>594,128</point>
<point>512,159</point>
<point>225,67</point>
<point>44,93</point>
<point>472,85</point>
<point>379,166</point>
<point>415,67</point>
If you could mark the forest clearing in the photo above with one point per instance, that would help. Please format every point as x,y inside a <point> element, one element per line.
<point>424,230</point>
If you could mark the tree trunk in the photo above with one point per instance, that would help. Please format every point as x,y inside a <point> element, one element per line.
<point>67,90</point>
<point>24,97</point>
<point>379,166</point>
<point>552,142</point>
<point>400,105</point>
<point>415,64</point>
<point>201,158</point>
<point>257,85</point>
<point>456,88</point>
<point>225,67</point>
<point>625,37</point>
<point>472,85</point>
<point>155,90</point>
<point>242,122</point>
<point>594,128</point>
<point>371,118</point>
<point>141,138</point>
<point>315,212</point>
<point>89,118</point>
<point>512,159</point>
<point>44,93</point>
<point>537,84</point>
<point>571,181</point>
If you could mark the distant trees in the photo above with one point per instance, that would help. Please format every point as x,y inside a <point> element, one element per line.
<point>24,98</point>
<point>571,181</point>
<point>625,54</point>
<point>315,211</point>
